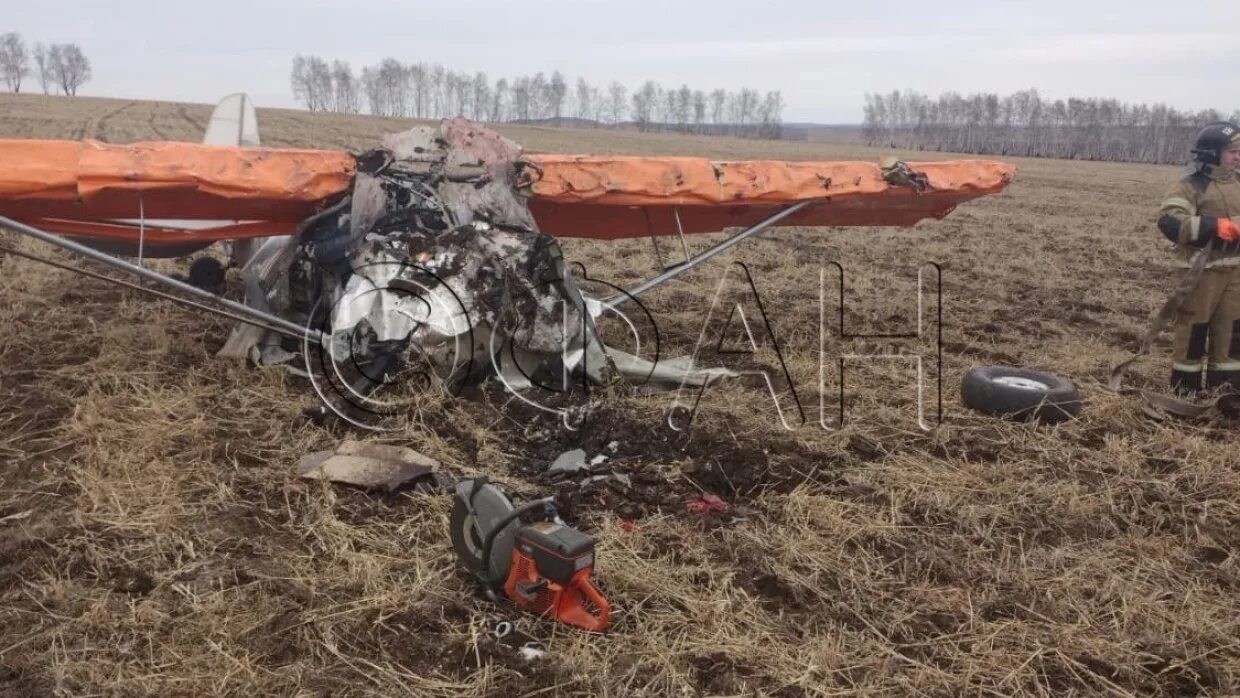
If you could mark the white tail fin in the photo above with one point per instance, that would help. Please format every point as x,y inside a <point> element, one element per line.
<point>233,123</point>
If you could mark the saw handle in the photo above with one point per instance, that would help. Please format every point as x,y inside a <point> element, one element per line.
<point>570,609</point>
<point>591,592</point>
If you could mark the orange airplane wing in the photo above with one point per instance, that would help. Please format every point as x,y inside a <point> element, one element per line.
<point>79,187</point>
<point>619,197</point>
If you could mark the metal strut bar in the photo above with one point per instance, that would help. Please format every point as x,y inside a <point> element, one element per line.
<point>266,318</point>
<point>680,230</point>
<point>688,264</point>
<point>654,240</point>
<point>136,287</point>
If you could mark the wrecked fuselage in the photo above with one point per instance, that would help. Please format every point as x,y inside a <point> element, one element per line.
<point>432,267</point>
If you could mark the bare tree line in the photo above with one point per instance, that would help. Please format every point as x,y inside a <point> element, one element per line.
<point>1026,125</point>
<point>429,90</point>
<point>57,67</point>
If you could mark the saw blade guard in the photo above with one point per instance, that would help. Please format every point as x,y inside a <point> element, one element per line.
<point>477,508</point>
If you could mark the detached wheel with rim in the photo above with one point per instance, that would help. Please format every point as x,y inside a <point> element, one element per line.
<point>207,274</point>
<point>1020,393</point>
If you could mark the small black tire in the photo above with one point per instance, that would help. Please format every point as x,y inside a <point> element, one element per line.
<point>207,274</point>
<point>1020,393</point>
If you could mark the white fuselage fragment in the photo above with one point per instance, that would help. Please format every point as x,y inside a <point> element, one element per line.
<point>427,316</point>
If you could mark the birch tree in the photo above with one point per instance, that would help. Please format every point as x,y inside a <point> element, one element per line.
<point>71,66</point>
<point>617,101</point>
<point>43,68</point>
<point>346,95</point>
<point>14,60</point>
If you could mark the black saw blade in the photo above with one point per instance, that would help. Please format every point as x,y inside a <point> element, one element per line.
<point>472,519</point>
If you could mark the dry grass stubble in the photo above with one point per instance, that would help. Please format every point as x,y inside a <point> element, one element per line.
<point>153,540</point>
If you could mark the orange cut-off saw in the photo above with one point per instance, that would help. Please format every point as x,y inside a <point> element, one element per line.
<point>544,566</point>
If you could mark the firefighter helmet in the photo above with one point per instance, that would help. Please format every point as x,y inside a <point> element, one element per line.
<point>1214,139</point>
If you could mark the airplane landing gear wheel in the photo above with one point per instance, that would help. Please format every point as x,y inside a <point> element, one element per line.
<point>1020,393</point>
<point>207,274</point>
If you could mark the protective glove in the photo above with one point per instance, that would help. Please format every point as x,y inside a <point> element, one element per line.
<point>1228,231</point>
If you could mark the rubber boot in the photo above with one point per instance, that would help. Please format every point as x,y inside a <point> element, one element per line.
<point>1223,381</point>
<point>1186,383</point>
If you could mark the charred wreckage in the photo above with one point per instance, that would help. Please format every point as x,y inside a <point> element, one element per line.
<point>432,269</point>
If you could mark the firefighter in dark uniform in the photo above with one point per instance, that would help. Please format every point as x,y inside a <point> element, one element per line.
<point>1203,210</point>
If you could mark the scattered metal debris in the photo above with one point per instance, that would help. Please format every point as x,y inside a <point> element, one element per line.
<point>666,374</point>
<point>622,478</point>
<point>898,172</point>
<point>506,633</point>
<point>531,651</point>
<point>370,465</point>
<point>569,462</point>
<point>574,462</point>
<point>1159,407</point>
<point>386,452</point>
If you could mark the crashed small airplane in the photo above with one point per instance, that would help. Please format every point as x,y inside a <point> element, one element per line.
<point>436,248</point>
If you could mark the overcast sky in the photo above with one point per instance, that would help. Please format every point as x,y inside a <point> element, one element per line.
<point>824,56</point>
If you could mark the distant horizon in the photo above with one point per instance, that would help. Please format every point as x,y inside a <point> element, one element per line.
<point>257,105</point>
<point>823,58</point>
<point>87,94</point>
